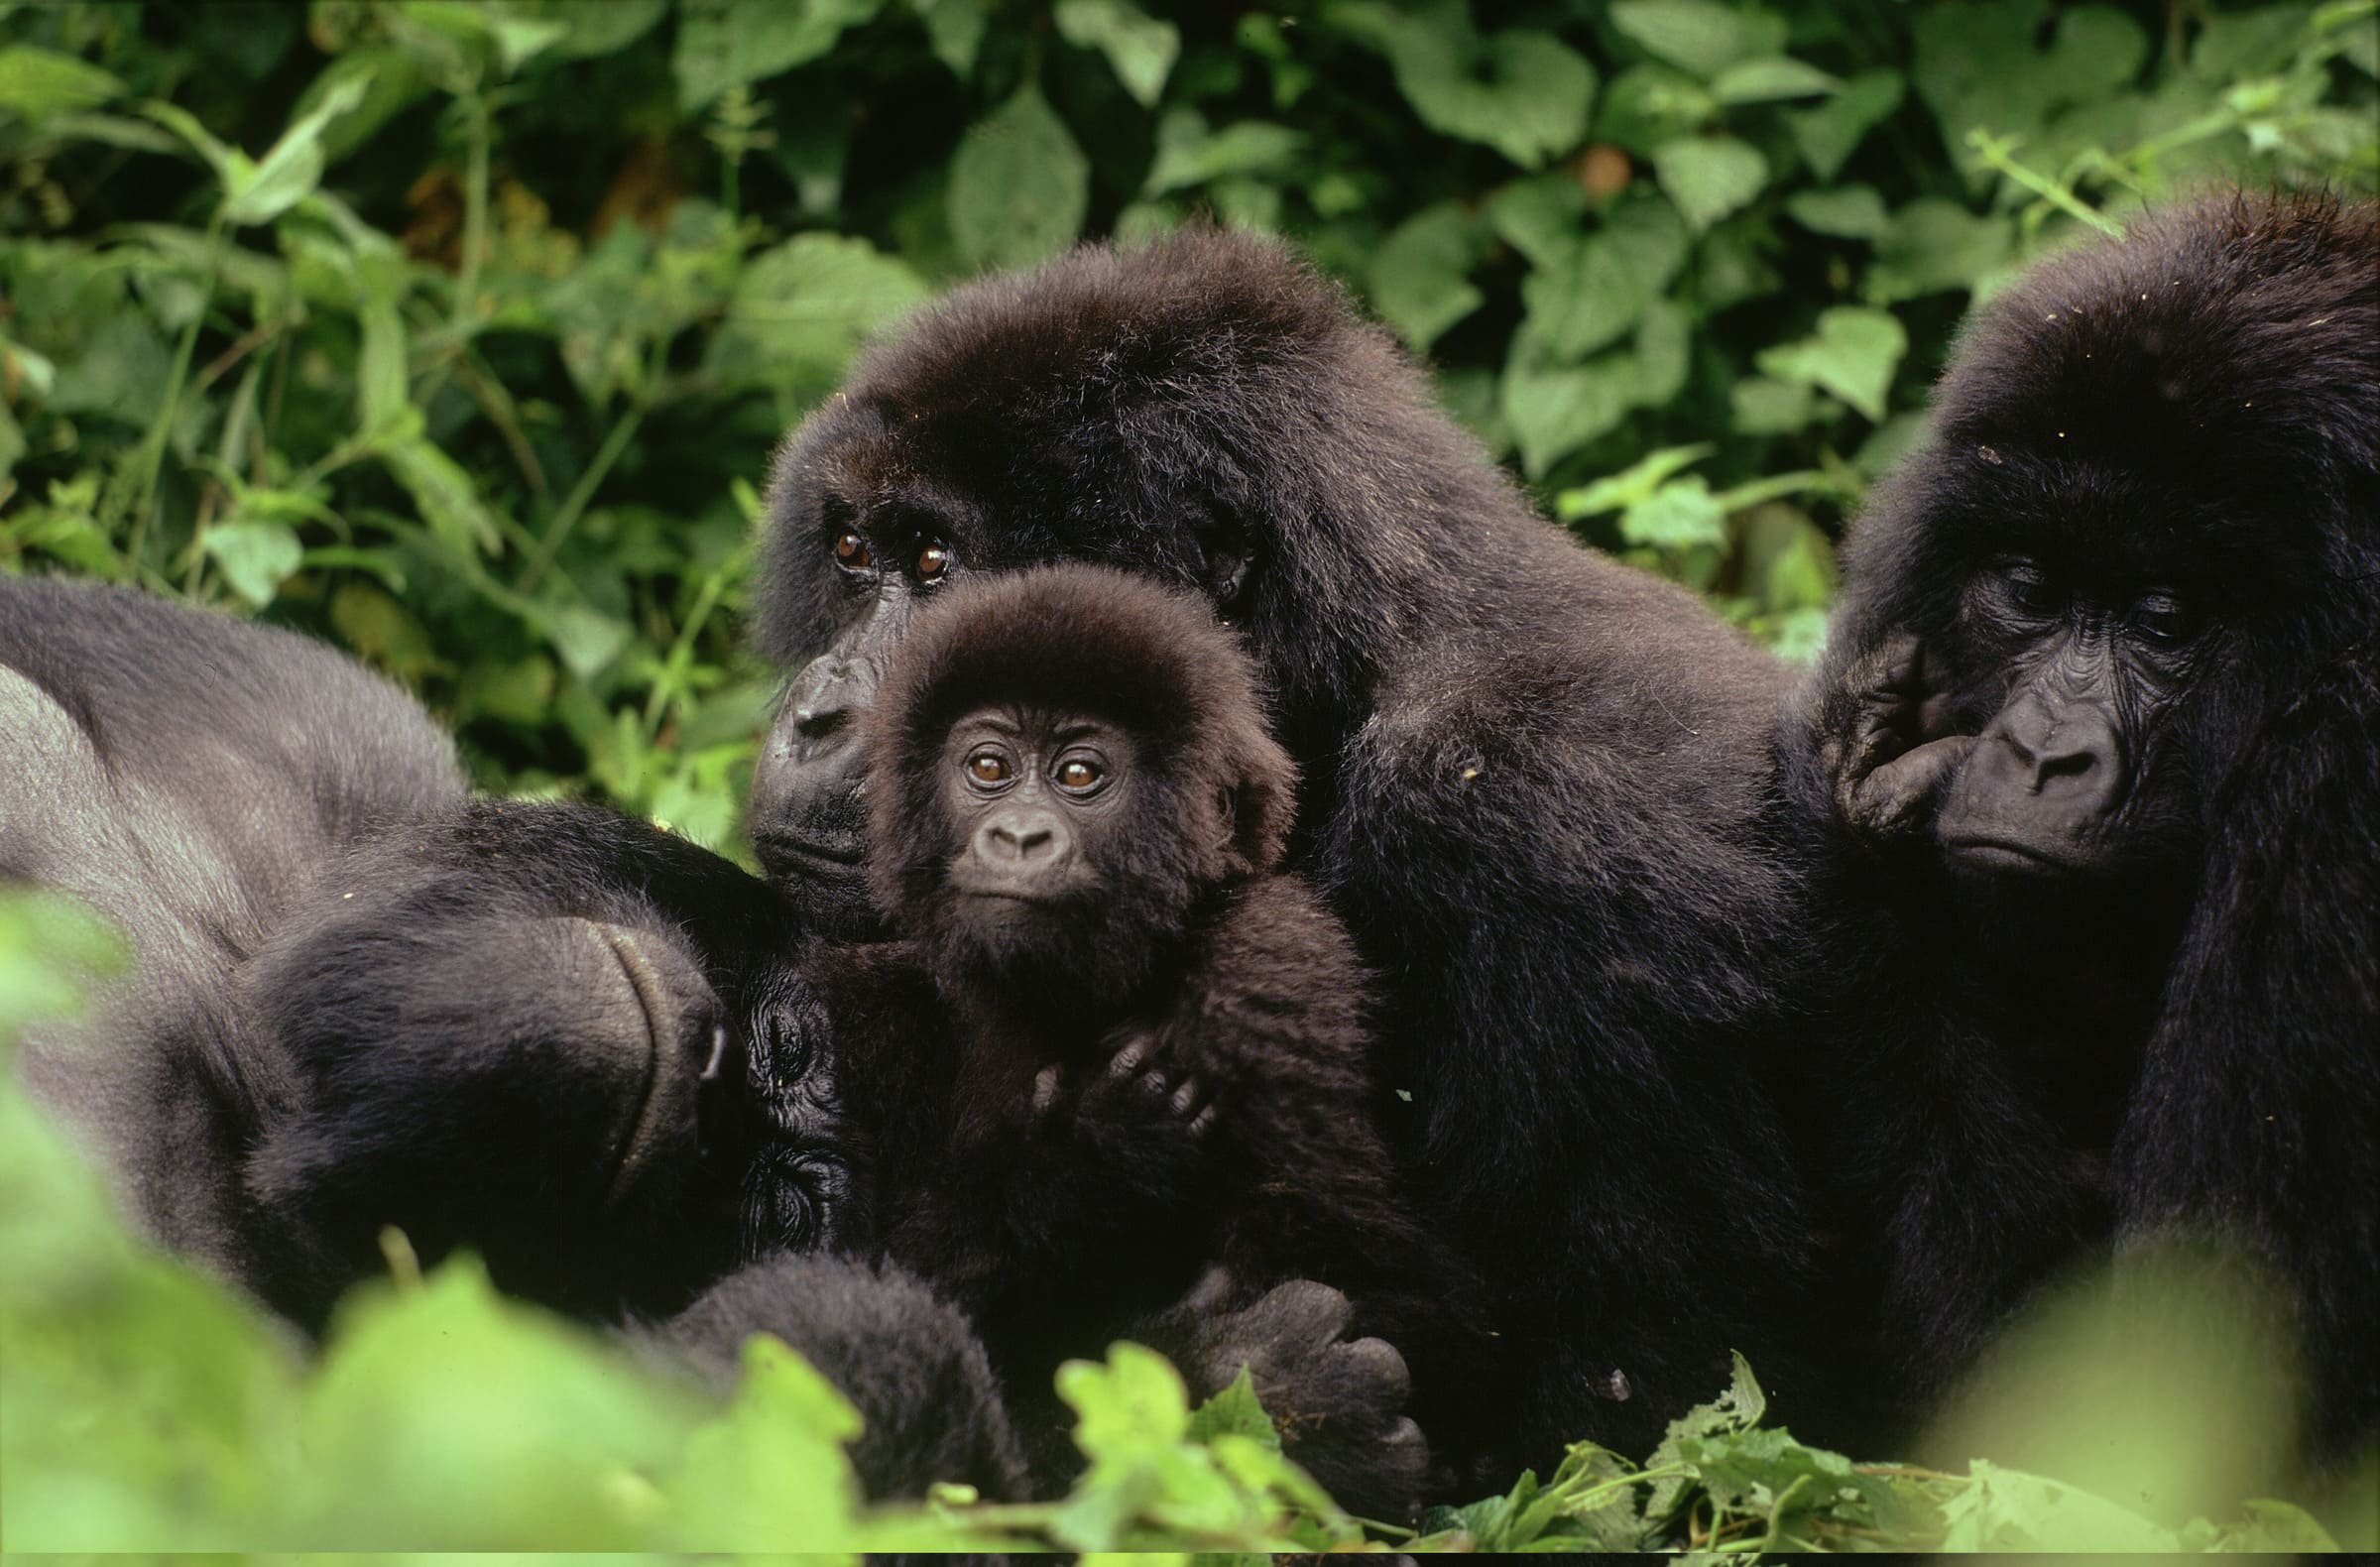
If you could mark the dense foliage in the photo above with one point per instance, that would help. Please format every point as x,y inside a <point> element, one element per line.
<point>460,333</point>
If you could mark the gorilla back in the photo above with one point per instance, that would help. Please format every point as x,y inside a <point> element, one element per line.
<point>2098,731</point>
<point>187,776</point>
<point>1535,780</point>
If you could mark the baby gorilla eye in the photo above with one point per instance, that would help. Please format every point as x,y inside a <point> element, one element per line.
<point>987,767</point>
<point>2029,589</point>
<point>1079,775</point>
<point>852,552</point>
<point>932,562</point>
<point>2161,617</point>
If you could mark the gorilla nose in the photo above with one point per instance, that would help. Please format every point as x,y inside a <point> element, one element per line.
<point>2061,761</point>
<point>1021,839</point>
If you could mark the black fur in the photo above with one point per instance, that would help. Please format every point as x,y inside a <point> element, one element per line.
<point>1537,784</point>
<point>2169,1023</point>
<point>1166,1068</point>
<point>361,999</point>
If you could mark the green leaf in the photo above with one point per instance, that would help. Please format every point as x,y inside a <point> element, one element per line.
<point>954,31</point>
<point>1141,49</point>
<point>1419,277</point>
<point>588,640</point>
<point>257,557</point>
<point>723,43</point>
<point>40,84</point>
<point>769,1475</point>
<point>1524,94</point>
<point>1554,412</point>
<point>1542,217</point>
<point>1846,213</point>
<point>1829,134</point>
<point>590,28</point>
<point>1699,36</point>
<point>449,501</point>
<point>53,951</point>
<point>1132,1406</point>
<point>1932,245</point>
<point>1678,515</point>
<point>1603,287</point>
<point>1018,186</point>
<point>1761,407</point>
<point>1235,1411</point>
<point>1190,154</point>
<point>1630,486</point>
<point>802,310</point>
<point>293,167</point>
<point>1709,177</point>
<point>1853,355</point>
<point>1767,80</point>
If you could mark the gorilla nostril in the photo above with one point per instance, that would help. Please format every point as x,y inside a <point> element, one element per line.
<point>2057,764</point>
<point>820,723</point>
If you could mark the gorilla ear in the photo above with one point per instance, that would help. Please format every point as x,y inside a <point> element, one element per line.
<point>1256,812</point>
<point>1228,562</point>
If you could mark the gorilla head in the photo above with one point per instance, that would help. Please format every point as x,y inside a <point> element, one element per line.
<point>1207,413</point>
<point>2144,518</point>
<point>1069,760</point>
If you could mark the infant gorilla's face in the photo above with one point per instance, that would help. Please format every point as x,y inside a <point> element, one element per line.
<point>1033,805</point>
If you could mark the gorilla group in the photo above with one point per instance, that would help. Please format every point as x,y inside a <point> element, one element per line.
<point>1592,992</point>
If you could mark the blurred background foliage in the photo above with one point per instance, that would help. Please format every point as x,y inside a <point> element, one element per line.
<point>460,333</point>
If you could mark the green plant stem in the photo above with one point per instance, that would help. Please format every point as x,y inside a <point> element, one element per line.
<point>1995,152</point>
<point>475,216</point>
<point>681,652</point>
<point>152,455</point>
<point>566,516</point>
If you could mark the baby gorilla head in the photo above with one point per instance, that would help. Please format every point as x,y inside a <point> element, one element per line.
<point>1064,763</point>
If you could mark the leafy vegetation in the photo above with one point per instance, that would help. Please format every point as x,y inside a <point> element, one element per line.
<point>460,333</point>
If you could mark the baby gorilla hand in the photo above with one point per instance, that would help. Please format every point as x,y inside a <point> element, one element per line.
<point>1889,764</point>
<point>1146,1118</point>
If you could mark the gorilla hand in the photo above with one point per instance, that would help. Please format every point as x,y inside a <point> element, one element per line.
<point>526,1085</point>
<point>1338,1402</point>
<point>1888,760</point>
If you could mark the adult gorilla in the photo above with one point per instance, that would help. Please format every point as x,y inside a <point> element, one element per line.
<point>2098,733</point>
<point>1534,778</point>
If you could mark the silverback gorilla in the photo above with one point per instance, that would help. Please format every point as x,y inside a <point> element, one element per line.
<point>1076,812</point>
<point>2097,736</point>
<point>1536,782</point>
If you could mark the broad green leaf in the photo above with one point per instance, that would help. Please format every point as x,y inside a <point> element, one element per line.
<point>1543,216</point>
<point>1709,177</point>
<point>1664,339</point>
<point>1420,274</point>
<point>120,373</point>
<point>803,308</point>
<point>1853,355</point>
<point>54,952</point>
<point>293,166</point>
<point>1190,154</point>
<point>1767,80</point>
<point>1524,94</point>
<point>1601,289</point>
<point>1554,412</point>
<point>770,1474</point>
<point>1847,211</point>
<point>2247,40</point>
<point>1651,105</point>
<point>1681,515</point>
<point>394,81</point>
<point>41,84</point>
<point>1932,245</point>
<point>1018,186</point>
<point>1141,49</point>
<point>449,499</point>
<point>1761,407</point>
<point>1630,486</point>
<point>590,28</point>
<point>1235,1411</point>
<point>954,31</point>
<point>255,558</point>
<point>723,43</point>
<point>1132,1405</point>
<point>588,640</point>
<point>1829,134</point>
<point>1701,36</point>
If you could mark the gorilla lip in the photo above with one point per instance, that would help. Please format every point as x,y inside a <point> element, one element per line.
<point>2002,854</point>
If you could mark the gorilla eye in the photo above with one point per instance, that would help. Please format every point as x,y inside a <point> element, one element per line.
<point>932,562</point>
<point>852,552</point>
<point>1079,775</point>
<point>2030,592</point>
<point>2161,617</point>
<point>987,767</point>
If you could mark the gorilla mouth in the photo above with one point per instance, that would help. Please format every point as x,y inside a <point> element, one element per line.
<point>2009,855</point>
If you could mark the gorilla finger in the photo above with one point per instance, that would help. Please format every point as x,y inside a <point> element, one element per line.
<point>1128,1057</point>
<point>1202,1122</point>
<point>1374,1366</point>
<point>1188,1098</point>
<point>1898,795</point>
<point>1046,1083</point>
<point>1312,1309</point>
<point>1211,1293</point>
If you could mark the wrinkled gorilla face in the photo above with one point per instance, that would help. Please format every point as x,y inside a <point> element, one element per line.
<point>2073,686</point>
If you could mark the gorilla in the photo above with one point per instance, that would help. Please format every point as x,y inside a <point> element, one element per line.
<point>1538,785</point>
<point>362,999</point>
<point>1076,812</point>
<point>570,1041</point>
<point>2095,753</point>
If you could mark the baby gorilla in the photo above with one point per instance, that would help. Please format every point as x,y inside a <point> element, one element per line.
<point>1164,1065</point>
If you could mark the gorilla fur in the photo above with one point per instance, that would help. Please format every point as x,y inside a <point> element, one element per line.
<point>2177,1034</point>
<point>360,998</point>
<point>1168,1069</point>
<point>1538,785</point>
